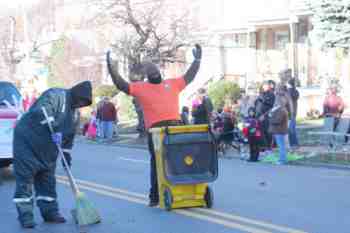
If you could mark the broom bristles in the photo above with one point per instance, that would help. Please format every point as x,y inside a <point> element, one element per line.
<point>86,213</point>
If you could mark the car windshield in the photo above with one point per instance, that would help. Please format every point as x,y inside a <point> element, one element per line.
<point>8,92</point>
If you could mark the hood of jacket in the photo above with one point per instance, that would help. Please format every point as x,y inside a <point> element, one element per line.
<point>81,94</point>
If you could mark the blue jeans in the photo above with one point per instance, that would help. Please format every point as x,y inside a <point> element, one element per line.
<point>281,143</point>
<point>107,129</point>
<point>292,133</point>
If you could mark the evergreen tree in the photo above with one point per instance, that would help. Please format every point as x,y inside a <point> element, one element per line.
<point>332,22</point>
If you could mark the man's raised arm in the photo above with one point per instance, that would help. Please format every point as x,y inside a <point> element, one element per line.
<point>118,81</point>
<point>193,70</point>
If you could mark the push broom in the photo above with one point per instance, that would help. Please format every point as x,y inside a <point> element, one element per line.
<point>85,213</point>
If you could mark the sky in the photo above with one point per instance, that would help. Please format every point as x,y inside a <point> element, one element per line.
<point>14,3</point>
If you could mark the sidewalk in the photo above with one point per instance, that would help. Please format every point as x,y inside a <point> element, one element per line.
<point>314,154</point>
<point>311,156</point>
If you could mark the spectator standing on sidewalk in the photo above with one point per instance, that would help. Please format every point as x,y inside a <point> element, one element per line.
<point>185,114</point>
<point>333,105</point>
<point>246,102</point>
<point>292,131</point>
<point>202,113</point>
<point>263,105</point>
<point>333,108</point>
<point>278,125</point>
<point>98,118</point>
<point>108,118</point>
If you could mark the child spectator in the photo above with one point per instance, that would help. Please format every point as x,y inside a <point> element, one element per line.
<point>92,128</point>
<point>252,131</point>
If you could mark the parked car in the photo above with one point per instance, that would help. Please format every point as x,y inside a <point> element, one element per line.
<point>10,111</point>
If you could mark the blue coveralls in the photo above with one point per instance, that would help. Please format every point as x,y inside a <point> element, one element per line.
<point>35,154</point>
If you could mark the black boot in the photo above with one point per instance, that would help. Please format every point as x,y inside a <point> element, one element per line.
<point>25,214</point>
<point>27,220</point>
<point>152,203</point>
<point>54,218</point>
<point>153,198</point>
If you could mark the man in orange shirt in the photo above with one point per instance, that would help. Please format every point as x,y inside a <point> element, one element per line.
<point>159,100</point>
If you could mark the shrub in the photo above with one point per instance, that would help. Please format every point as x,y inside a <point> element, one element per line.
<point>223,90</point>
<point>126,108</point>
<point>106,90</point>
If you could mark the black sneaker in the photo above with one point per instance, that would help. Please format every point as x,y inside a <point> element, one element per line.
<point>152,203</point>
<point>27,223</point>
<point>57,218</point>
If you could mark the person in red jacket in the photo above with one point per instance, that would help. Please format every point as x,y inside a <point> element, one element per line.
<point>333,105</point>
<point>159,100</point>
<point>108,116</point>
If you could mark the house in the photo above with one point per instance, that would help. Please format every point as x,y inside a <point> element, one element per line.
<point>252,41</point>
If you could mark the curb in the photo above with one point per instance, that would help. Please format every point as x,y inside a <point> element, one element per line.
<point>322,165</point>
<point>301,164</point>
<point>125,145</point>
<point>295,163</point>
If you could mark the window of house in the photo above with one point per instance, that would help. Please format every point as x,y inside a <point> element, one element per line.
<point>238,40</point>
<point>281,40</point>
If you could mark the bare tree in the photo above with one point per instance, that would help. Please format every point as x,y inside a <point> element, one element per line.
<point>152,30</point>
<point>8,47</point>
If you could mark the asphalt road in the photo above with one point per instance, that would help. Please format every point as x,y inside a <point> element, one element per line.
<point>257,198</point>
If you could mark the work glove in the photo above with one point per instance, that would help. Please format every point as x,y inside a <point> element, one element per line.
<point>57,138</point>
<point>197,52</point>
<point>68,158</point>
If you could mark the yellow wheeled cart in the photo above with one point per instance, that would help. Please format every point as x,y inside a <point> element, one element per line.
<point>187,161</point>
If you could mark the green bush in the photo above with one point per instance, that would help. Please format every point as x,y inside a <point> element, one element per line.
<point>53,81</point>
<point>126,108</point>
<point>106,90</point>
<point>222,91</point>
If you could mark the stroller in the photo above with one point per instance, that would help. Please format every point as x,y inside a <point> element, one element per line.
<point>230,136</point>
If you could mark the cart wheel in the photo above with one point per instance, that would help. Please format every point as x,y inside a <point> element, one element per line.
<point>209,197</point>
<point>168,199</point>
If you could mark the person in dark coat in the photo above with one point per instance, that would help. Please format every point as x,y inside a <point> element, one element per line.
<point>294,95</point>
<point>263,105</point>
<point>35,150</point>
<point>202,113</point>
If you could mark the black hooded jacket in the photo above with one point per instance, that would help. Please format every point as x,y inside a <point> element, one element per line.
<point>32,130</point>
<point>264,103</point>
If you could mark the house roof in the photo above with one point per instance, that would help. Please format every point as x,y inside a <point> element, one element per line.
<point>254,13</point>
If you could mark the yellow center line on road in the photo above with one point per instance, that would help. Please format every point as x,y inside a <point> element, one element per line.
<point>187,213</point>
<point>247,220</point>
<point>108,188</point>
<point>204,213</point>
<point>108,193</point>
